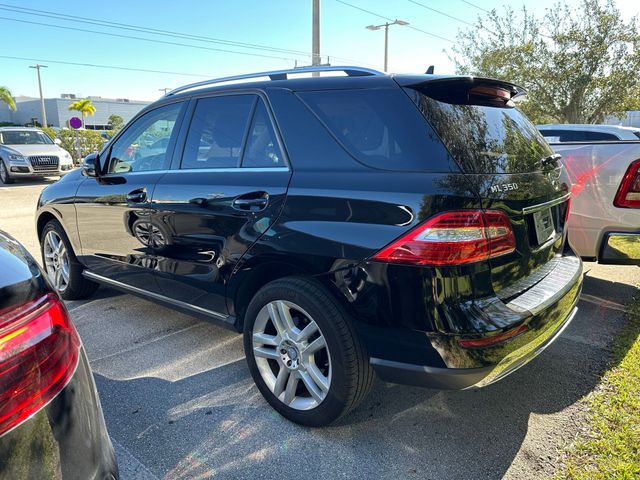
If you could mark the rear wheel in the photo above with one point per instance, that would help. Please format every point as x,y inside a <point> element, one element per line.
<point>62,267</point>
<point>303,353</point>
<point>4,174</point>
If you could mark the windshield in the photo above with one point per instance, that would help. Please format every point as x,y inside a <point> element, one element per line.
<point>24,137</point>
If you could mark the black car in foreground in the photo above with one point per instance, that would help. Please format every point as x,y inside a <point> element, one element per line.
<point>407,225</point>
<point>51,423</point>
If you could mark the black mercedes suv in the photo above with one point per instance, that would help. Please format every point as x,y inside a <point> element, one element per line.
<point>407,225</point>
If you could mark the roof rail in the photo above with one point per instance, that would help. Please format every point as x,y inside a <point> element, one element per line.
<point>280,75</point>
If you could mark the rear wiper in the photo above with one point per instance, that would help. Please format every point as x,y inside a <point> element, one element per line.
<point>550,161</point>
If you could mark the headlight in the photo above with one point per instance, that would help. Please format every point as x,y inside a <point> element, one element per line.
<point>17,158</point>
<point>66,155</point>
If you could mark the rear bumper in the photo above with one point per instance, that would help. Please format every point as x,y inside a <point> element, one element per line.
<point>459,378</point>
<point>620,248</point>
<point>531,313</point>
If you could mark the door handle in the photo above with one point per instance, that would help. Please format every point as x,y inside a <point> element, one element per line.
<point>252,202</point>
<point>137,196</point>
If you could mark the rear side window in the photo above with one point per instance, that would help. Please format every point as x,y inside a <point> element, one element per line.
<point>484,137</point>
<point>380,128</point>
<point>262,146</point>
<point>217,132</point>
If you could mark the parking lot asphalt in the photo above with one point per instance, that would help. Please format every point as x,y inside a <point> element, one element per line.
<point>179,401</point>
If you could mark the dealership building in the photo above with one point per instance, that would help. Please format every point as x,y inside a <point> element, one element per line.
<point>58,113</point>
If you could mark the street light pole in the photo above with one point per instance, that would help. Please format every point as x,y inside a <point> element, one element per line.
<point>386,36</point>
<point>315,35</point>
<point>37,66</point>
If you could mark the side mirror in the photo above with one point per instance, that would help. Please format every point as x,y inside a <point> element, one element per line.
<point>91,165</point>
<point>57,141</point>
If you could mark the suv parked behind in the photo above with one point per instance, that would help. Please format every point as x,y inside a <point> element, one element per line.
<point>411,225</point>
<point>29,153</point>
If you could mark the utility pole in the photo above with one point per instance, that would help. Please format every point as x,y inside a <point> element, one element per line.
<point>315,36</point>
<point>165,90</point>
<point>37,66</point>
<point>386,36</point>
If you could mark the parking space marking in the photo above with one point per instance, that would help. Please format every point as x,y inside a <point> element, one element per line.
<point>144,344</point>
<point>601,302</point>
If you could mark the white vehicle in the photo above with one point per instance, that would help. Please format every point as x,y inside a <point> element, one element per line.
<point>29,152</point>
<point>604,218</point>
<point>573,132</point>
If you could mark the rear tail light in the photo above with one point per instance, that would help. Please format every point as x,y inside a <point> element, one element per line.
<point>628,195</point>
<point>39,350</point>
<point>453,238</point>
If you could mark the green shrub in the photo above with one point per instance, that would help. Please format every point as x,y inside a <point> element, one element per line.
<point>79,143</point>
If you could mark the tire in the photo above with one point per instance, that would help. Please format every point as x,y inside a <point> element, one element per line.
<point>76,286</point>
<point>342,366</point>
<point>4,174</point>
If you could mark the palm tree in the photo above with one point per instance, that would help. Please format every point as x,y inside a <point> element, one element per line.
<point>7,97</point>
<point>84,107</point>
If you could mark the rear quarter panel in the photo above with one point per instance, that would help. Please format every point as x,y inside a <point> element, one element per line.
<point>595,171</point>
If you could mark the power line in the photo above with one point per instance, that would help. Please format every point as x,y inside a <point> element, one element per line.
<point>113,67</point>
<point>143,29</point>
<point>441,13</point>
<point>391,19</point>
<point>476,6</point>
<point>156,31</point>
<point>152,40</point>
<point>450,16</point>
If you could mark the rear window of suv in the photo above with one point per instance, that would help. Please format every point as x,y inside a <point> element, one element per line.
<point>483,137</point>
<point>380,128</point>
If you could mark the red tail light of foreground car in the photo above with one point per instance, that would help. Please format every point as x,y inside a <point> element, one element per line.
<point>39,351</point>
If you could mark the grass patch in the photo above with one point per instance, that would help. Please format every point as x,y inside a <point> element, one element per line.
<point>611,450</point>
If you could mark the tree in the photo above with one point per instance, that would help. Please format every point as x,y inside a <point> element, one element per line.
<point>7,97</point>
<point>116,122</point>
<point>578,64</point>
<point>84,107</point>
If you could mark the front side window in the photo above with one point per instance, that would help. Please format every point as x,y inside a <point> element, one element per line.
<point>144,145</point>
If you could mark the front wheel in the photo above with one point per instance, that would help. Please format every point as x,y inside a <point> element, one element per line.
<point>62,267</point>
<point>4,174</point>
<point>303,352</point>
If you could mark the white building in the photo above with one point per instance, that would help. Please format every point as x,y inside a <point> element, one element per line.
<point>631,119</point>
<point>58,113</point>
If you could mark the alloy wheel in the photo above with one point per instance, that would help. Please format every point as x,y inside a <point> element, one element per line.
<point>56,261</point>
<point>291,354</point>
<point>3,173</point>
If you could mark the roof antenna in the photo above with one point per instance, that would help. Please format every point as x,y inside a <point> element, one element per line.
<point>429,70</point>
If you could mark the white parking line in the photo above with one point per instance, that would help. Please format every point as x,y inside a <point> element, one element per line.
<point>601,302</point>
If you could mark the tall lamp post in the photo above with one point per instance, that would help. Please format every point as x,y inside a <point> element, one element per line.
<point>386,36</point>
<point>44,113</point>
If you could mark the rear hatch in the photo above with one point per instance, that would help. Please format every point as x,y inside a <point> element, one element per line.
<point>507,162</point>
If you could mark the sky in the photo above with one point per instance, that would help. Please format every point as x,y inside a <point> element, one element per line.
<point>281,28</point>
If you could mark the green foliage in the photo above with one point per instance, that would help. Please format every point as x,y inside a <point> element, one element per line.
<point>84,106</point>
<point>579,64</point>
<point>79,143</point>
<point>7,97</point>
<point>116,122</point>
<point>612,447</point>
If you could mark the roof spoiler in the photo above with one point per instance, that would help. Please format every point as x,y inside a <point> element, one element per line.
<point>451,83</point>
